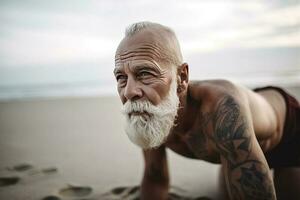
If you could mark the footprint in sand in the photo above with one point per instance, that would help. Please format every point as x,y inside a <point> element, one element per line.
<point>45,171</point>
<point>12,180</point>
<point>6,181</point>
<point>72,193</point>
<point>57,198</point>
<point>126,190</point>
<point>75,191</point>
<point>15,174</point>
<point>132,193</point>
<point>51,198</point>
<point>20,167</point>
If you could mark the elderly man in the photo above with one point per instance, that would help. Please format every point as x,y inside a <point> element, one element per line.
<point>247,132</point>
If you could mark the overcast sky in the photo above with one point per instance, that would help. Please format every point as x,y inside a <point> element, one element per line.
<point>58,42</point>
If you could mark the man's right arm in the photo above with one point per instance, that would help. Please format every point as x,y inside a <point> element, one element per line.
<point>155,184</point>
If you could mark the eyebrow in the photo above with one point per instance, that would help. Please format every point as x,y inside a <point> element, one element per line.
<point>141,67</point>
<point>116,70</point>
<point>147,67</point>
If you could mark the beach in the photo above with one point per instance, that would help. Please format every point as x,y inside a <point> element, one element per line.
<point>76,148</point>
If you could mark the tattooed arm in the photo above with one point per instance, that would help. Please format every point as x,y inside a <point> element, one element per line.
<point>155,184</point>
<point>246,171</point>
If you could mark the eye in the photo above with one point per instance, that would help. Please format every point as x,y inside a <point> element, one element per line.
<point>121,77</point>
<point>143,74</point>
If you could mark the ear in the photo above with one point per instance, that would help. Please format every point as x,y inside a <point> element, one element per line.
<point>183,77</point>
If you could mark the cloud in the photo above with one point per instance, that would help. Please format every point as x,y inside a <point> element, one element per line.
<point>52,47</point>
<point>44,33</point>
<point>255,28</point>
<point>201,25</point>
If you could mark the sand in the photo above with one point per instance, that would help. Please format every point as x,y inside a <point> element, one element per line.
<point>75,148</point>
<point>83,140</point>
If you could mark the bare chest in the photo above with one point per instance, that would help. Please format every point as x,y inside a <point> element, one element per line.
<point>194,143</point>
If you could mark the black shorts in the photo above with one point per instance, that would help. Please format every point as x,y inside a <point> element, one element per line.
<point>287,152</point>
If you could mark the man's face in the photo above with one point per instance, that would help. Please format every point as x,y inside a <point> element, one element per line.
<point>139,72</point>
<point>147,88</point>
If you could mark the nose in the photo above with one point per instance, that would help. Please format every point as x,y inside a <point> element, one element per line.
<point>132,90</point>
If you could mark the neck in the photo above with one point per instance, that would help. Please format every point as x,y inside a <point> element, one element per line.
<point>186,113</point>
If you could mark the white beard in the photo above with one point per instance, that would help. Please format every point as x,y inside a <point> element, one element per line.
<point>152,129</point>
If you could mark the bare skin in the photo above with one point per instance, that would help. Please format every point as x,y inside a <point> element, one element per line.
<point>218,121</point>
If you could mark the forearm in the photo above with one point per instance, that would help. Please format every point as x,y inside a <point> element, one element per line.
<point>154,189</point>
<point>250,180</point>
<point>155,184</point>
<point>246,170</point>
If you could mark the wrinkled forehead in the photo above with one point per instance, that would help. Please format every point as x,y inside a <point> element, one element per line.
<point>146,52</point>
<point>146,44</point>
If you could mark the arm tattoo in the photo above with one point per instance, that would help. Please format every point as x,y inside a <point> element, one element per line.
<point>247,176</point>
<point>230,129</point>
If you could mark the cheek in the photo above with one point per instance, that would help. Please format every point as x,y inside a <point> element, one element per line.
<point>157,92</point>
<point>121,95</point>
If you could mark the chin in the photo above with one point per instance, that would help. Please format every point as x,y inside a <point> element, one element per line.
<point>147,134</point>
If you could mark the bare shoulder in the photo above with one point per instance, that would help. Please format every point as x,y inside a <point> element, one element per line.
<point>259,108</point>
<point>211,91</point>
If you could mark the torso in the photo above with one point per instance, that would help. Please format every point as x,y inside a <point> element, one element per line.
<point>269,135</point>
<point>267,110</point>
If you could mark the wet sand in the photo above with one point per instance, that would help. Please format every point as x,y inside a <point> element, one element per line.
<point>75,148</point>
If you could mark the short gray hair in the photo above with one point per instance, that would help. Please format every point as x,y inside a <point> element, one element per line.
<point>175,58</point>
<point>137,27</point>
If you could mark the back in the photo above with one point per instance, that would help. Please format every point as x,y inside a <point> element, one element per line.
<point>267,108</point>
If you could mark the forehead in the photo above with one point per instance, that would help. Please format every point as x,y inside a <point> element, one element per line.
<point>146,54</point>
<point>144,45</point>
<point>144,48</point>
